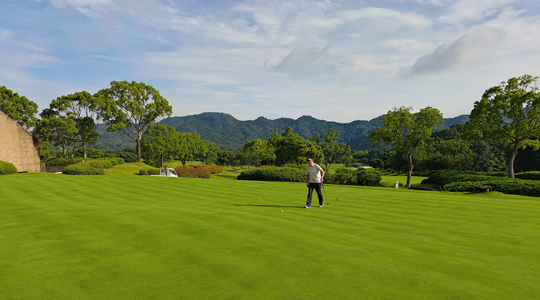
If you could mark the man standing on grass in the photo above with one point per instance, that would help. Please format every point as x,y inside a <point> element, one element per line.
<point>314,180</point>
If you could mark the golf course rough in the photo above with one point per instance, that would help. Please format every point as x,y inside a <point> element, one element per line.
<point>141,237</point>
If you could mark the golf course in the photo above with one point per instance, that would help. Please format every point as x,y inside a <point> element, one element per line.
<point>142,237</point>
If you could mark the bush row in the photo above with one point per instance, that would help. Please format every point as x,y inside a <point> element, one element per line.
<point>274,174</point>
<point>444,177</point>
<point>341,176</point>
<point>92,167</point>
<point>149,171</point>
<point>65,161</point>
<point>193,171</point>
<point>214,169</point>
<point>7,168</point>
<point>528,175</point>
<point>507,186</point>
<point>84,168</point>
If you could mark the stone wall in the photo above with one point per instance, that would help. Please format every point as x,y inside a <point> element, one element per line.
<point>18,146</point>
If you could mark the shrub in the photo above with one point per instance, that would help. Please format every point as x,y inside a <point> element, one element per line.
<point>341,176</point>
<point>7,168</point>
<point>128,156</point>
<point>114,160</point>
<point>65,161</point>
<point>102,164</point>
<point>149,171</point>
<point>273,174</point>
<point>367,178</point>
<point>506,185</point>
<point>214,169</point>
<point>444,177</point>
<point>193,171</point>
<point>85,168</point>
<point>528,175</point>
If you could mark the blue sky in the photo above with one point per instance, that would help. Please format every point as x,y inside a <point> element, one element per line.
<point>334,60</point>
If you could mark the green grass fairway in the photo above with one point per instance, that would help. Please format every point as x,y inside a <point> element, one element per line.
<point>142,237</point>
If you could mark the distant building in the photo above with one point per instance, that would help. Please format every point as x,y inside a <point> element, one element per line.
<point>18,146</point>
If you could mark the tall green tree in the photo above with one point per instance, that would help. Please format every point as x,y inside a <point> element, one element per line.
<point>158,143</point>
<point>407,131</point>
<point>130,108</point>
<point>19,108</point>
<point>333,151</point>
<point>291,148</point>
<point>208,152</point>
<point>509,112</point>
<point>258,150</point>
<point>225,157</point>
<point>190,145</point>
<point>81,107</point>
<point>56,129</point>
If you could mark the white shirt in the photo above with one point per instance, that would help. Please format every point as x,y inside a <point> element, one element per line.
<point>314,172</point>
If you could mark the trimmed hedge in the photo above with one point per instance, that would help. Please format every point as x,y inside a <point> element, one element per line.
<point>535,175</point>
<point>193,171</point>
<point>7,168</point>
<point>507,186</point>
<point>341,176</point>
<point>149,171</point>
<point>214,169</point>
<point>128,156</point>
<point>274,174</point>
<point>444,177</point>
<point>367,178</point>
<point>65,161</point>
<point>85,168</point>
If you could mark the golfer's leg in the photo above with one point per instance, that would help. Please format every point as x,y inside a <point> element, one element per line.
<point>319,193</point>
<point>310,192</point>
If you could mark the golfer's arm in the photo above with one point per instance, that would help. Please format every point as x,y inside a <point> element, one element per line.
<point>307,178</point>
<point>322,175</point>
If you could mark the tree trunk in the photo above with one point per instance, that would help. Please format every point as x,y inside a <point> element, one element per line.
<point>84,149</point>
<point>409,173</point>
<point>139,150</point>
<point>162,160</point>
<point>511,160</point>
<point>183,160</point>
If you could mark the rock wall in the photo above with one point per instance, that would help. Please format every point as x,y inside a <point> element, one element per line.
<point>18,146</point>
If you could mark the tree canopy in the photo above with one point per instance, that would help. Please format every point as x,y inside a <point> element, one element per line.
<point>407,131</point>
<point>509,112</point>
<point>130,108</point>
<point>19,108</point>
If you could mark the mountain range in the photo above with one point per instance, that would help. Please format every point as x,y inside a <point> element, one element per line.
<point>228,133</point>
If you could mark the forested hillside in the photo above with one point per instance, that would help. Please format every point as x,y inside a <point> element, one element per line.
<point>231,134</point>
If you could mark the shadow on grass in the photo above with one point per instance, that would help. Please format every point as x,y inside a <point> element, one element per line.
<point>268,205</point>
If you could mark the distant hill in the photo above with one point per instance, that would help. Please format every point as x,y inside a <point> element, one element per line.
<point>231,134</point>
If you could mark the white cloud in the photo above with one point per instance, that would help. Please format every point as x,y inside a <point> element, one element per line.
<point>468,49</point>
<point>465,10</point>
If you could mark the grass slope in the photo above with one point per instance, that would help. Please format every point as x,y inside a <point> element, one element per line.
<point>141,237</point>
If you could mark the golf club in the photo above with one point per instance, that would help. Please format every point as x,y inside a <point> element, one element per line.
<point>324,193</point>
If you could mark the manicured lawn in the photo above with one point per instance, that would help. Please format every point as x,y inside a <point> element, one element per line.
<point>142,237</point>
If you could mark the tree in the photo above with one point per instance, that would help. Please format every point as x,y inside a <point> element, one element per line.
<point>407,131</point>
<point>159,142</point>
<point>130,108</point>
<point>81,107</point>
<point>292,148</point>
<point>333,151</point>
<point>208,152</point>
<point>509,112</point>
<point>257,150</point>
<point>189,146</point>
<point>225,157</point>
<point>19,108</point>
<point>58,130</point>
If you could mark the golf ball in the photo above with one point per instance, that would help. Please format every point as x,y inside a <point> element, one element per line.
<point>281,211</point>
<point>362,201</point>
